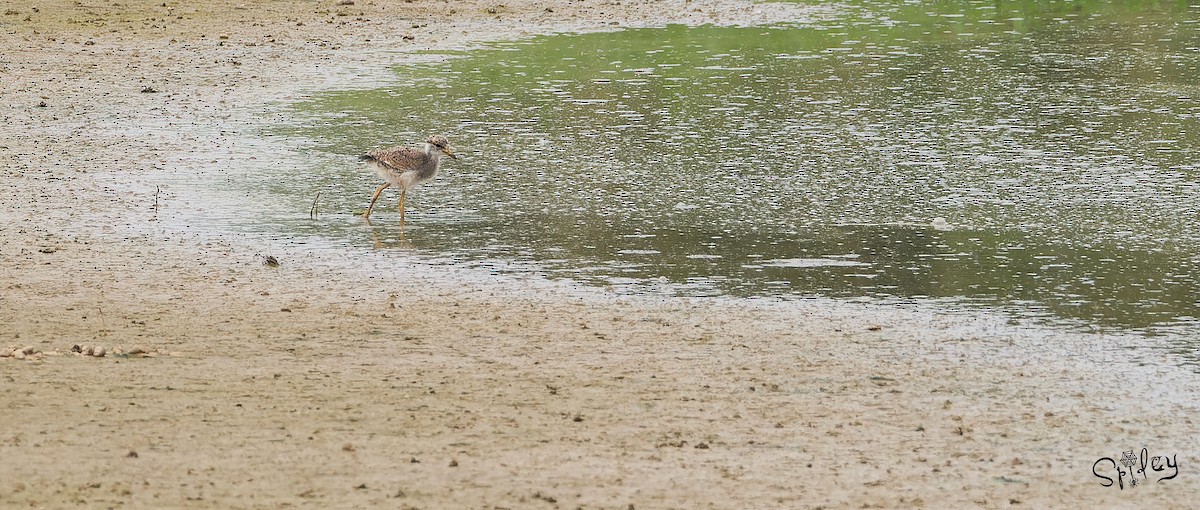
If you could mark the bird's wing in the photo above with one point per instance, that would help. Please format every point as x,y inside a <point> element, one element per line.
<point>399,158</point>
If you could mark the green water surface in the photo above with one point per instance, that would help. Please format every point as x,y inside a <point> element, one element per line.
<point>1058,140</point>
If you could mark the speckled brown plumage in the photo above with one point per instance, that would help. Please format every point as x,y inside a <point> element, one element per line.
<point>405,167</point>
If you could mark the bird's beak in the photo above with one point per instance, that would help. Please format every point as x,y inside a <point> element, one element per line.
<point>448,153</point>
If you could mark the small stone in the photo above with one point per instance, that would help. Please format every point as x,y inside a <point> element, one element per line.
<point>28,350</point>
<point>701,446</point>
<point>132,454</point>
<point>347,447</point>
<point>100,352</point>
<point>137,349</point>
<point>18,355</point>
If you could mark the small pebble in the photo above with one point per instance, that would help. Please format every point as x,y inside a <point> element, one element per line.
<point>100,352</point>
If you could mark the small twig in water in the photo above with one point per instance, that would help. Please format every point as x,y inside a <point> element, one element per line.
<point>312,213</point>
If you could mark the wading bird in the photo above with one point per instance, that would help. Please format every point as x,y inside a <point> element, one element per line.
<point>404,167</point>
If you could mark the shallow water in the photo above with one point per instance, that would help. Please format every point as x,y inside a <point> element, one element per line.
<point>1057,140</point>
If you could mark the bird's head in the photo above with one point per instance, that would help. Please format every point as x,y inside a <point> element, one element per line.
<point>441,143</point>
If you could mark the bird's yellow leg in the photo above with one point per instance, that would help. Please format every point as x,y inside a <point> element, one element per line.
<point>375,197</point>
<point>402,193</point>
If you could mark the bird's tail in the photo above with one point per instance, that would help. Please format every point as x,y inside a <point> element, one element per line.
<point>366,157</point>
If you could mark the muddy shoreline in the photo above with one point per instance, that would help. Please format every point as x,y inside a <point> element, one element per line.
<point>379,382</point>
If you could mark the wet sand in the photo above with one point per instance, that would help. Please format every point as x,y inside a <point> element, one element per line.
<point>376,382</point>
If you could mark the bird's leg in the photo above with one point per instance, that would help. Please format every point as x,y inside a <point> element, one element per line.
<point>402,193</point>
<point>375,197</point>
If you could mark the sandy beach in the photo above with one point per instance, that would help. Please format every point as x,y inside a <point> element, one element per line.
<point>383,383</point>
